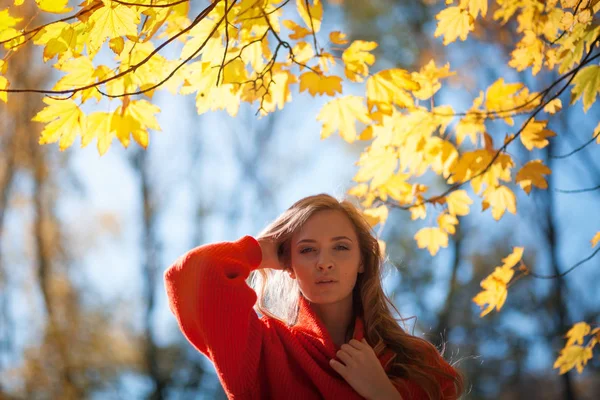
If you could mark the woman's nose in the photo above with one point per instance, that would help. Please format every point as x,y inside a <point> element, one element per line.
<point>324,263</point>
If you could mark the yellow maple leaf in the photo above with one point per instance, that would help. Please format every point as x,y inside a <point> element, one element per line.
<point>80,72</point>
<point>597,133</point>
<point>528,53</point>
<point>553,106</point>
<point>596,239</point>
<point>377,215</point>
<point>501,199</point>
<point>377,165</point>
<point>320,84</point>
<point>3,85</point>
<point>357,59</point>
<point>303,52</point>
<point>577,332</point>
<point>441,155</point>
<point>586,85</point>
<point>477,6</point>
<point>453,22</point>
<point>431,238</point>
<point>447,222</point>
<point>419,211</point>
<point>65,121</point>
<point>110,22</point>
<point>458,202</point>
<point>389,87</point>
<point>312,15</point>
<point>359,190</point>
<point>470,126</point>
<point>573,357</point>
<point>54,6</point>
<point>98,126</point>
<point>503,97</point>
<point>532,174</point>
<point>494,285</point>
<point>513,258</point>
<point>299,32</point>
<point>341,114</point>
<point>428,79</point>
<point>338,37</point>
<point>7,21</point>
<point>535,134</point>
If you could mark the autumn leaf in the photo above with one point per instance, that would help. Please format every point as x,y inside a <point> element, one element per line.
<point>54,6</point>
<point>458,202</point>
<point>573,357</point>
<point>596,239</point>
<point>319,84</point>
<point>313,15</point>
<point>453,23</point>
<point>110,22</point>
<point>65,121</point>
<point>428,80</point>
<point>377,215</point>
<point>299,32</point>
<point>3,85</point>
<point>376,166</point>
<point>535,135</point>
<point>431,238</point>
<point>495,285</point>
<point>532,174</point>
<point>586,85</point>
<point>389,87</point>
<point>338,37</point>
<point>357,59</point>
<point>597,133</point>
<point>447,222</point>
<point>501,199</point>
<point>478,6</point>
<point>576,334</point>
<point>553,106</point>
<point>341,115</point>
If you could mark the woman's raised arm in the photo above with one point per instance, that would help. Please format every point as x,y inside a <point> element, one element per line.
<point>213,304</point>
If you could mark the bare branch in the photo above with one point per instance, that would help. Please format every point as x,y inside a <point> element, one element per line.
<point>529,272</point>
<point>578,190</point>
<point>577,149</point>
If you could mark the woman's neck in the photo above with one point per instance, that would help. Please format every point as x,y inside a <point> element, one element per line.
<point>336,317</point>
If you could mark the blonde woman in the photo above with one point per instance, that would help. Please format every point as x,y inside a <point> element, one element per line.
<point>326,329</point>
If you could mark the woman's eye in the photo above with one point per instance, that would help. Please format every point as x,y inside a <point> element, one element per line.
<point>341,247</point>
<point>304,250</point>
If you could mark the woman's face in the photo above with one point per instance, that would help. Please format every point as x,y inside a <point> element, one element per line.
<point>326,248</point>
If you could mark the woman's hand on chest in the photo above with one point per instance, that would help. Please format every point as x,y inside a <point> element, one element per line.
<point>361,368</point>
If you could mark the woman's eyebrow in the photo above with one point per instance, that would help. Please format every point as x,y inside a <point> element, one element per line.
<point>332,239</point>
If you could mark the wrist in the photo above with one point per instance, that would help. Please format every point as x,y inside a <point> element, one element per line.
<point>387,393</point>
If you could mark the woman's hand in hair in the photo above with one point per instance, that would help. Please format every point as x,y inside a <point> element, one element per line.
<point>269,254</point>
<point>361,368</point>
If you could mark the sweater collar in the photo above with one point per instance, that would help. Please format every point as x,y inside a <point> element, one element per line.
<point>309,323</point>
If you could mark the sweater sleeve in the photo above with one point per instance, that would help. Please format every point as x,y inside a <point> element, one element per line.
<point>212,303</point>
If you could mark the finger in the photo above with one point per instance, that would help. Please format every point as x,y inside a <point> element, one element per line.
<point>353,351</point>
<point>356,344</point>
<point>345,357</point>
<point>338,367</point>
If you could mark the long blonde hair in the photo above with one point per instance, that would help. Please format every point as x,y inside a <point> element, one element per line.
<point>415,358</point>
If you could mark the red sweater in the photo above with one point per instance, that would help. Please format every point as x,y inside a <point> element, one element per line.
<point>255,358</point>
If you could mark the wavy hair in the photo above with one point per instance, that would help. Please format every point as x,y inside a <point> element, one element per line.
<point>414,358</point>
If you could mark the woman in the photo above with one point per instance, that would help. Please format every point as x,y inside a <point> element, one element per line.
<point>326,329</point>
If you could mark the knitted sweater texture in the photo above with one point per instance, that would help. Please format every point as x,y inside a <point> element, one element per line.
<point>256,358</point>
